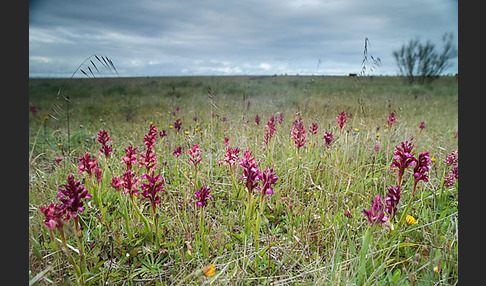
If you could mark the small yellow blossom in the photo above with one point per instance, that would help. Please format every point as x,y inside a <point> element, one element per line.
<point>197,129</point>
<point>186,132</point>
<point>171,127</point>
<point>201,132</point>
<point>386,125</point>
<point>356,129</point>
<point>197,124</point>
<point>151,123</point>
<point>209,270</point>
<point>432,159</point>
<point>378,134</point>
<point>59,144</point>
<point>411,220</point>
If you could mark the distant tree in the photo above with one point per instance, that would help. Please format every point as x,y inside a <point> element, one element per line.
<point>421,61</point>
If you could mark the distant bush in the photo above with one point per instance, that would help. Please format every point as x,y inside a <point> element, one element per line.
<point>421,62</point>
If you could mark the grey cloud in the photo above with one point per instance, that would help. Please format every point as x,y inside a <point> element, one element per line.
<point>228,37</point>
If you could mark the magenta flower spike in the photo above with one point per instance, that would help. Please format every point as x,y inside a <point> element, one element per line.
<point>298,133</point>
<point>154,184</point>
<point>451,177</point>
<point>452,159</point>
<point>103,138</point>
<point>177,124</point>
<point>116,183</point>
<point>391,119</point>
<point>421,168</point>
<point>328,138</point>
<point>231,156</point>
<point>341,120</point>
<point>129,183</point>
<point>257,119</point>
<point>392,199</point>
<point>269,130</point>
<point>177,152</point>
<point>250,172</point>
<point>195,153</point>
<point>268,179</point>
<point>54,216</point>
<point>376,214</point>
<point>131,157</point>
<point>313,128</point>
<point>87,164</point>
<point>202,195</point>
<point>70,195</point>
<point>403,159</point>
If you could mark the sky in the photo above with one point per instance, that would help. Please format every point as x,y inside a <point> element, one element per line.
<point>221,37</point>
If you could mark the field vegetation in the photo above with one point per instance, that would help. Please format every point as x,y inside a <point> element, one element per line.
<point>286,180</point>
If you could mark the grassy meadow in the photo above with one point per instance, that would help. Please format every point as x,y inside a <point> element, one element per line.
<point>310,231</point>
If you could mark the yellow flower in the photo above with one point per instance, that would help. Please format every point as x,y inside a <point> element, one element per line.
<point>378,134</point>
<point>411,220</point>
<point>432,159</point>
<point>186,132</point>
<point>59,144</point>
<point>171,127</point>
<point>356,129</point>
<point>197,124</point>
<point>151,123</point>
<point>386,125</point>
<point>209,270</point>
<point>197,129</point>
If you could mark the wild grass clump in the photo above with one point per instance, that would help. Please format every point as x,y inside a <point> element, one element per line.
<point>291,183</point>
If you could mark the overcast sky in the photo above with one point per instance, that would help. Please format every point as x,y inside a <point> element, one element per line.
<point>221,37</point>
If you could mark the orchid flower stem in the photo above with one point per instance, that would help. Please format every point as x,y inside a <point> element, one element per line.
<point>79,274</point>
<point>201,231</point>
<point>144,219</point>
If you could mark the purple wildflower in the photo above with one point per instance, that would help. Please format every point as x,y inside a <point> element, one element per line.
<point>129,183</point>
<point>313,128</point>
<point>231,156</point>
<point>341,120</point>
<point>116,183</point>
<point>70,195</point>
<point>298,133</point>
<point>269,130</point>
<point>376,214</point>
<point>131,157</point>
<point>451,177</point>
<point>250,172</point>
<point>391,119</point>
<point>177,152</point>
<point>403,159</point>
<point>452,158</point>
<point>87,164</point>
<point>103,138</point>
<point>421,168</point>
<point>202,195</point>
<point>392,199</point>
<point>195,153</point>
<point>54,216</point>
<point>257,119</point>
<point>268,179</point>
<point>154,184</point>
<point>177,124</point>
<point>328,138</point>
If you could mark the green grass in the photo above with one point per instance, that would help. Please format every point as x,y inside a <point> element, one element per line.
<point>305,238</point>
